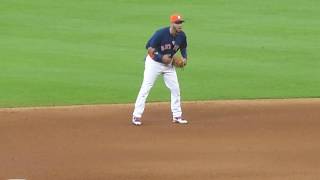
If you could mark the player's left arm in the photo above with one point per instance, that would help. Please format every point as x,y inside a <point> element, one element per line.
<point>184,55</point>
<point>183,50</point>
<point>181,44</point>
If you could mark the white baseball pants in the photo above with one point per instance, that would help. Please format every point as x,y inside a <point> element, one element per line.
<point>151,72</point>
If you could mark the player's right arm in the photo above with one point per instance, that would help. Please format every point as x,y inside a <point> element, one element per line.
<point>152,52</point>
<point>151,46</point>
<point>166,58</point>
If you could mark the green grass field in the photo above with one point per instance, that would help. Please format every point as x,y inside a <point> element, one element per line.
<point>91,52</point>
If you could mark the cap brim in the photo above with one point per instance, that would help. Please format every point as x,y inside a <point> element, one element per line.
<point>179,21</point>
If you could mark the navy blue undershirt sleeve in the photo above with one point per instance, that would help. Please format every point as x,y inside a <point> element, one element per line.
<point>182,42</point>
<point>158,57</point>
<point>184,53</point>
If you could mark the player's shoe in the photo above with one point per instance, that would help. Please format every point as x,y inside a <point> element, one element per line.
<point>179,120</point>
<point>136,121</point>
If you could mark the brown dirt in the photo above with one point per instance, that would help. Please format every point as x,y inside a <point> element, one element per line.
<point>225,140</point>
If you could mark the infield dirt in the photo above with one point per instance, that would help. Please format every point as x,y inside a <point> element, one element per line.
<point>225,140</point>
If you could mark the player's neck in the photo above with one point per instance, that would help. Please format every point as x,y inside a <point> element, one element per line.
<point>173,32</point>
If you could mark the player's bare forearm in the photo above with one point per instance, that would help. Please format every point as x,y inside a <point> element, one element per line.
<point>151,52</point>
<point>167,59</point>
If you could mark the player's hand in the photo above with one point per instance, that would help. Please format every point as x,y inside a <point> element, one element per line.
<point>184,62</point>
<point>166,59</point>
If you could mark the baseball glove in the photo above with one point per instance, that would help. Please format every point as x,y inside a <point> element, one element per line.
<point>178,61</point>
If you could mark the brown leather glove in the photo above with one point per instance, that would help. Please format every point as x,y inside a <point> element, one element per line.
<point>178,61</point>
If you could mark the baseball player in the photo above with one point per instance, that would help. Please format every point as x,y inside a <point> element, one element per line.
<point>162,46</point>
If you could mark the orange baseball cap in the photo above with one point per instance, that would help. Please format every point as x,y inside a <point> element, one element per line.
<point>176,18</point>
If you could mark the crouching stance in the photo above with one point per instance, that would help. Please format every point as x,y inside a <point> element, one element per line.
<point>162,46</point>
